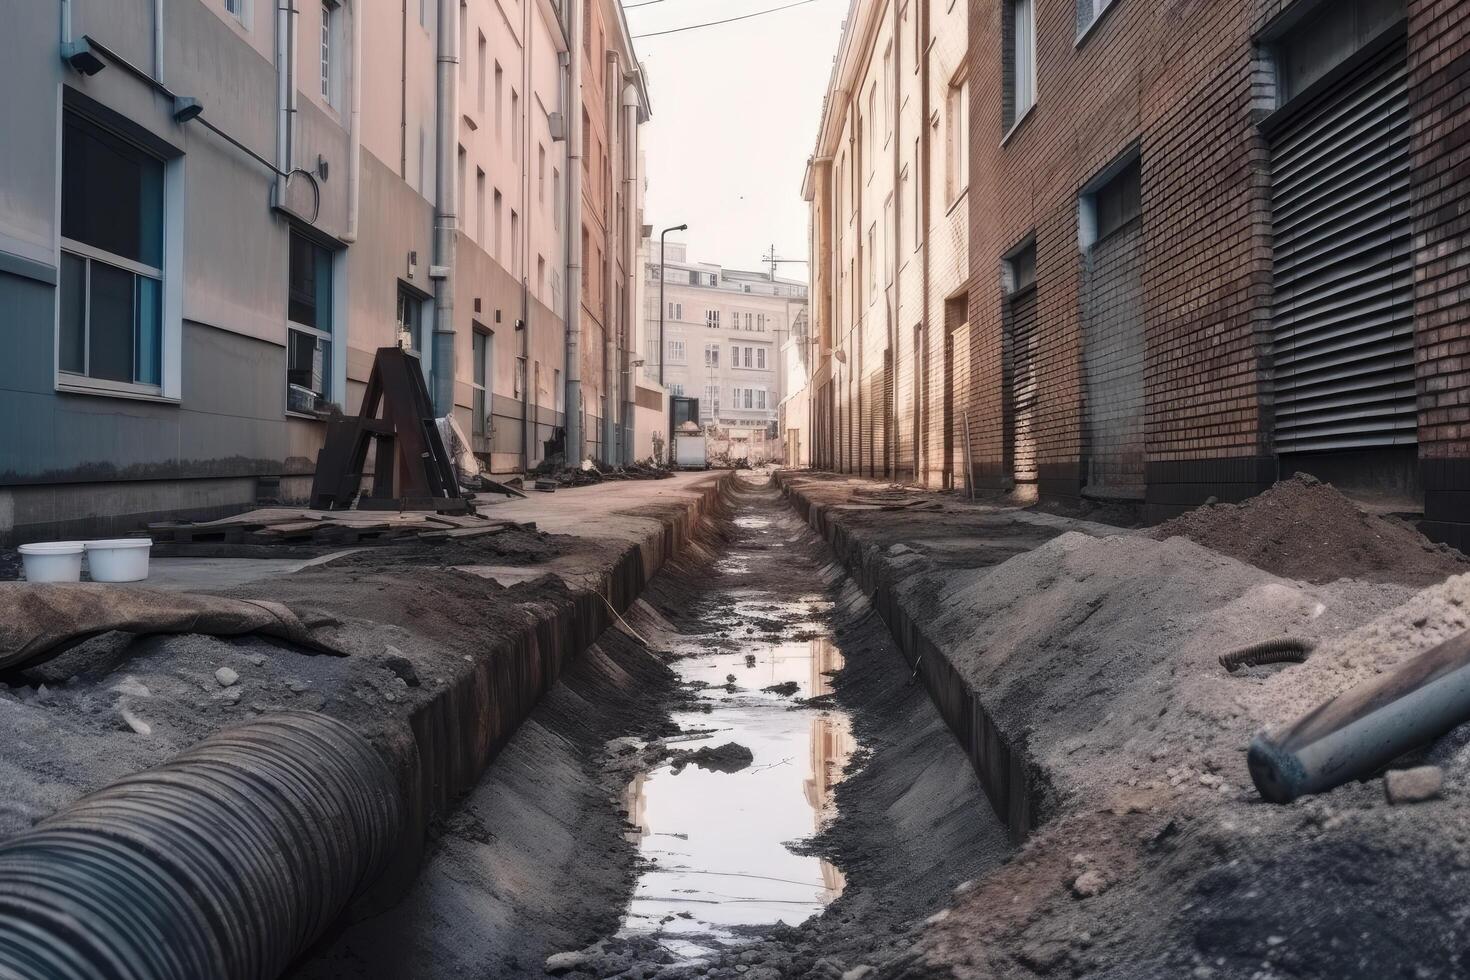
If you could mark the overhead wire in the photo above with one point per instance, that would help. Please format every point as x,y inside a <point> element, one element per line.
<point>716,23</point>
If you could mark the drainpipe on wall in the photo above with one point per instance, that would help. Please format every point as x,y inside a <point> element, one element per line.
<point>354,128</point>
<point>446,210</point>
<point>285,77</point>
<point>890,394</point>
<point>612,397</point>
<point>158,41</point>
<point>630,244</point>
<point>573,452</point>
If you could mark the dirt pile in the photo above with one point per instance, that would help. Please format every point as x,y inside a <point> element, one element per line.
<point>1304,529</point>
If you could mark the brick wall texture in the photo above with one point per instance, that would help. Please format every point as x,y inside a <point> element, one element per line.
<point>1151,350</point>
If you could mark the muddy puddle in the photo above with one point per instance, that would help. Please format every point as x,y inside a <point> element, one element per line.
<point>716,845</point>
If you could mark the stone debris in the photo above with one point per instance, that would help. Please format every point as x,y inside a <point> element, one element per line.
<point>559,963</point>
<point>226,677</point>
<point>1089,884</point>
<point>135,723</point>
<point>1413,785</point>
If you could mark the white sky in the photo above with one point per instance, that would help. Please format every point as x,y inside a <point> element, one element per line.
<point>735,112</point>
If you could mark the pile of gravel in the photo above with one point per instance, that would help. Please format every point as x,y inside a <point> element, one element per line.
<point>1304,529</point>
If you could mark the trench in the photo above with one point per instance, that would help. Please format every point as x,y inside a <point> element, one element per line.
<point>624,831</point>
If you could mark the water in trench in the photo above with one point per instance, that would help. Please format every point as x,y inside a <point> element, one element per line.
<point>714,843</point>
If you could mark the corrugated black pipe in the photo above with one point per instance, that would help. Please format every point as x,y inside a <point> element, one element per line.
<point>224,862</point>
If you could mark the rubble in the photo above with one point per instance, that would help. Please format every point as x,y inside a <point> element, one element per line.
<point>1415,785</point>
<point>226,677</point>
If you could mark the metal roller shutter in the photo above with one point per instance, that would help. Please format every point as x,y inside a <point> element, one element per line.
<point>1023,387</point>
<point>1343,323</point>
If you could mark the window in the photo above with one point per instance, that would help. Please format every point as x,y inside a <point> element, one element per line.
<point>760,398</point>
<point>480,207</point>
<point>748,358</point>
<point>760,323</point>
<point>712,401</point>
<point>675,389</point>
<point>1088,11</point>
<point>480,56</point>
<point>760,358</point>
<point>480,367</point>
<point>515,244</point>
<point>676,352</point>
<point>711,355</point>
<point>540,274</point>
<point>957,142</point>
<point>868,150</point>
<point>495,244</point>
<point>747,321</point>
<point>410,321</point>
<point>1325,38</point>
<point>676,311</point>
<point>541,173</point>
<point>464,40</point>
<point>712,319</point>
<point>1116,202</point>
<point>556,198</point>
<point>329,11</point>
<point>714,279</point>
<point>111,285</point>
<point>1020,61</point>
<point>515,124</point>
<point>309,336</point>
<point>872,260</point>
<point>888,90</point>
<point>1019,268</point>
<point>918,196</point>
<point>499,102</point>
<point>236,9</point>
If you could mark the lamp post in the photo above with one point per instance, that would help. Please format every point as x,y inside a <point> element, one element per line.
<point>662,309</point>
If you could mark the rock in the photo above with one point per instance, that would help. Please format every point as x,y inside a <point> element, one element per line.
<point>135,723</point>
<point>730,757</point>
<point>559,963</point>
<point>132,686</point>
<point>401,667</point>
<point>937,917</point>
<point>828,969</point>
<point>860,972</point>
<point>785,689</point>
<point>233,695</point>
<point>226,677</point>
<point>1413,785</point>
<point>1042,957</point>
<point>296,687</point>
<point>1089,884</point>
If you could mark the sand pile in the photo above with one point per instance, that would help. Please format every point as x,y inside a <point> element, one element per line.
<point>1304,529</point>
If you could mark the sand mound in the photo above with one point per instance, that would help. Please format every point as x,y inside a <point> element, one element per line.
<point>1304,529</point>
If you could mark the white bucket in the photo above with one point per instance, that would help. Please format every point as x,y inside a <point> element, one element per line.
<point>52,561</point>
<point>118,559</point>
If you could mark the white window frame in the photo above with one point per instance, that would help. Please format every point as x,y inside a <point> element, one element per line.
<point>329,51</point>
<point>1023,70</point>
<point>957,138</point>
<point>676,351</point>
<point>331,384</point>
<point>1089,12</point>
<point>170,275</point>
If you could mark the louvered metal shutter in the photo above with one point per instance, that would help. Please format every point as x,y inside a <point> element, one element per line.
<point>1023,386</point>
<point>1343,323</point>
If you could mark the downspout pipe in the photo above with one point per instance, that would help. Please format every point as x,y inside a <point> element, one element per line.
<point>284,79</point>
<point>354,129</point>
<point>630,245</point>
<point>573,452</point>
<point>612,319</point>
<point>446,210</point>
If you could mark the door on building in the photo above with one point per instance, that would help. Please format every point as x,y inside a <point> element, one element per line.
<point>1342,327</point>
<point>480,374</point>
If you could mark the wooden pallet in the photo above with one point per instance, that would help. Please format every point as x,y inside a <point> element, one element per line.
<point>293,526</point>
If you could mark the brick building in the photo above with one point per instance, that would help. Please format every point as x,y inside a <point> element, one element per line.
<point>1214,244</point>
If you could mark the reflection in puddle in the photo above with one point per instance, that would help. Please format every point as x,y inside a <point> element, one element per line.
<point>715,843</point>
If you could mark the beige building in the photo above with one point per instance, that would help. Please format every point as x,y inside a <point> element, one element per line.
<point>887,184</point>
<point>723,332</point>
<point>213,212</point>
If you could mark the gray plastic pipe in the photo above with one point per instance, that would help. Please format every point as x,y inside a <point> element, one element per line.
<point>224,863</point>
<point>1366,727</point>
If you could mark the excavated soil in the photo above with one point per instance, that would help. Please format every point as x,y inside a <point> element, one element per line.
<point>1304,529</point>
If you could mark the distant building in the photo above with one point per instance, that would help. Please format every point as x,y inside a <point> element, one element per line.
<point>723,330</point>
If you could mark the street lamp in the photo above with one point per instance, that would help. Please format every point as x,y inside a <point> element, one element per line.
<point>662,309</point>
